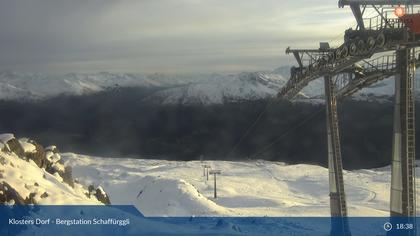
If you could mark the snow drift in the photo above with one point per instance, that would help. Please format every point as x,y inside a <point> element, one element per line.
<point>166,197</point>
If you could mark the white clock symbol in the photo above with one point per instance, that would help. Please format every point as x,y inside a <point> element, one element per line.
<point>387,226</point>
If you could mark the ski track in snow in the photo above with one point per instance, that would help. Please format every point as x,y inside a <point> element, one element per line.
<point>249,188</point>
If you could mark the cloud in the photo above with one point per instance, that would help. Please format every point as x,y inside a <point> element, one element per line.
<point>161,35</point>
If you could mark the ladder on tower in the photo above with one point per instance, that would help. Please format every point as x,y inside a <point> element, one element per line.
<point>337,160</point>
<point>339,223</point>
<point>411,139</point>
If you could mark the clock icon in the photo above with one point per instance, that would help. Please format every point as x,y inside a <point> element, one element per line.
<point>387,226</point>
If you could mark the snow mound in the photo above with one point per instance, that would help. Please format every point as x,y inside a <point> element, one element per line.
<point>174,197</point>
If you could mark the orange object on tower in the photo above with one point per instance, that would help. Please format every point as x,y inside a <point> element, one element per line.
<point>399,11</point>
<point>412,21</point>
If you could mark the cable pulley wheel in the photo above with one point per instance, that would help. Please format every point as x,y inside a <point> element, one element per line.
<point>344,52</point>
<point>371,42</point>
<point>361,46</point>
<point>337,54</point>
<point>380,40</point>
<point>353,49</point>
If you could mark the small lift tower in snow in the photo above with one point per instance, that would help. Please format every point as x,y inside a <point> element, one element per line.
<point>215,173</point>
<point>206,168</point>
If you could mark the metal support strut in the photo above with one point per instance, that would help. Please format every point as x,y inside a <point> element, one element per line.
<point>335,167</point>
<point>403,195</point>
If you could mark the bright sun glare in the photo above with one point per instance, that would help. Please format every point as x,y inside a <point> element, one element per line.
<point>399,11</point>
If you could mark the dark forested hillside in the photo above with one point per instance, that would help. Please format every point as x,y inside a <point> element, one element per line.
<point>119,123</point>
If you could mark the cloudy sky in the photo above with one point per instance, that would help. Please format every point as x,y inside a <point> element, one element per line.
<point>166,36</point>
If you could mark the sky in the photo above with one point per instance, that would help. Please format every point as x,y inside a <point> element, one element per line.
<point>163,36</point>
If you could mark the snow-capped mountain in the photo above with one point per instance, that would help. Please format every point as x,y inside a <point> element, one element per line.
<point>185,89</point>
<point>202,89</point>
<point>221,88</point>
<point>250,86</point>
<point>218,89</point>
<point>14,85</point>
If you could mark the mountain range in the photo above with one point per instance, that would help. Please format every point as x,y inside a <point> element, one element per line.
<point>202,89</point>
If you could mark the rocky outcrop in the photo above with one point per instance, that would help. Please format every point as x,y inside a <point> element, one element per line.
<point>47,159</point>
<point>37,155</point>
<point>102,196</point>
<point>11,144</point>
<point>8,195</point>
<point>67,176</point>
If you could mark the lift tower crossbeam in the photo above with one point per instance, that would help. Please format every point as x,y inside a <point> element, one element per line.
<point>366,73</point>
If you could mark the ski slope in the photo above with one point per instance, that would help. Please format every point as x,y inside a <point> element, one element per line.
<point>254,188</point>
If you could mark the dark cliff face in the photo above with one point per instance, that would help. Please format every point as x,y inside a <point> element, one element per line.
<point>121,123</point>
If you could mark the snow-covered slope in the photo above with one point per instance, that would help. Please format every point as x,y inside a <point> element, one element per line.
<point>30,174</point>
<point>254,188</point>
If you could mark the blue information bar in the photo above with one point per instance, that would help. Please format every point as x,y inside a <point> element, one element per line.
<point>127,220</point>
